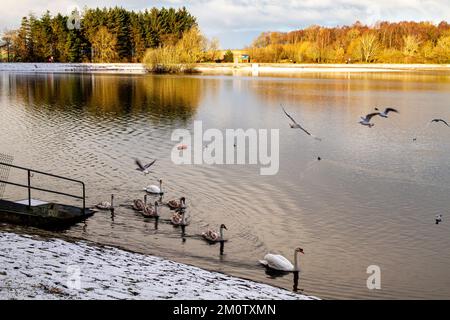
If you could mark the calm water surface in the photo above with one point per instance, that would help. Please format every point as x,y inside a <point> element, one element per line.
<point>370,201</point>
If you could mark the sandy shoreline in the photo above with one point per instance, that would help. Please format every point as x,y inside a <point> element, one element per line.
<point>33,268</point>
<point>222,68</point>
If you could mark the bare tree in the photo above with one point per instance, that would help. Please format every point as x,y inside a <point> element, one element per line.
<point>368,45</point>
<point>213,49</point>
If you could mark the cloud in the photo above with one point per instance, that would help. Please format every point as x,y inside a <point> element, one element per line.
<point>236,22</point>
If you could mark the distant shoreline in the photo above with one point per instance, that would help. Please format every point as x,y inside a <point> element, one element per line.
<point>283,68</point>
<point>221,68</point>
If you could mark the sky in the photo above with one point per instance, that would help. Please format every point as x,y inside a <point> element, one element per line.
<point>236,23</point>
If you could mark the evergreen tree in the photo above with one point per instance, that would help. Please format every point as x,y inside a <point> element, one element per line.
<point>122,31</point>
<point>73,46</point>
<point>131,32</point>
<point>60,33</point>
<point>24,44</point>
<point>137,37</point>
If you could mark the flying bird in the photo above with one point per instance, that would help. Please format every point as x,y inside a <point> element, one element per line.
<point>295,125</point>
<point>142,168</point>
<point>384,114</point>
<point>434,120</point>
<point>365,121</point>
<point>438,218</point>
<point>440,120</point>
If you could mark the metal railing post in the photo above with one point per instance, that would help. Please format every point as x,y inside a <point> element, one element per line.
<point>29,188</point>
<point>84,199</point>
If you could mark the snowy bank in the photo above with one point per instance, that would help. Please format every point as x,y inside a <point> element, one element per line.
<point>291,68</point>
<point>221,68</point>
<point>133,68</point>
<point>33,268</point>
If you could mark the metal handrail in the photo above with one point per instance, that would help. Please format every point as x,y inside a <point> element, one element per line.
<point>29,187</point>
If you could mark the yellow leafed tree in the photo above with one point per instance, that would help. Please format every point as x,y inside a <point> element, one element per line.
<point>104,46</point>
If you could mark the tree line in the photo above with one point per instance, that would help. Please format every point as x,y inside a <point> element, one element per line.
<point>96,35</point>
<point>385,42</point>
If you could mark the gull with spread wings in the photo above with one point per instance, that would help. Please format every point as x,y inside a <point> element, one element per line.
<point>440,120</point>
<point>295,125</point>
<point>365,121</point>
<point>433,121</point>
<point>143,168</point>
<point>384,114</point>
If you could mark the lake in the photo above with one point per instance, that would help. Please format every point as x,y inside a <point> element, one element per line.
<point>371,200</point>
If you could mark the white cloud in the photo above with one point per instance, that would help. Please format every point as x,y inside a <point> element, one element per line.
<point>236,22</point>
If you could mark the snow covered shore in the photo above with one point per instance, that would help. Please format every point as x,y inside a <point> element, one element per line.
<point>34,268</point>
<point>132,68</point>
<point>291,68</point>
<point>220,68</point>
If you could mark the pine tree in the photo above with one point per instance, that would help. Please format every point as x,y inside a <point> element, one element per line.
<point>24,42</point>
<point>137,37</point>
<point>122,31</point>
<point>73,46</point>
<point>59,31</point>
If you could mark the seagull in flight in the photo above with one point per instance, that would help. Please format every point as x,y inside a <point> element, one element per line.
<point>436,120</point>
<point>384,114</point>
<point>440,120</point>
<point>142,168</point>
<point>365,121</point>
<point>295,125</point>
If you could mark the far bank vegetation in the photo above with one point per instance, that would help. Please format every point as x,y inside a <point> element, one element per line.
<point>182,55</point>
<point>385,42</point>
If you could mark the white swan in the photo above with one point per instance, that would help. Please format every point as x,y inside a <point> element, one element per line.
<point>155,189</point>
<point>213,235</point>
<point>280,263</point>
<point>105,205</point>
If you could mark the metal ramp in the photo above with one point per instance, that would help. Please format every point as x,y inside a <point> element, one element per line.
<point>33,203</point>
<point>29,187</point>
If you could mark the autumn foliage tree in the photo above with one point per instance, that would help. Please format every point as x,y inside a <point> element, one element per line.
<point>179,56</point>
<point>402,42</point>
<point>104,45</point>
